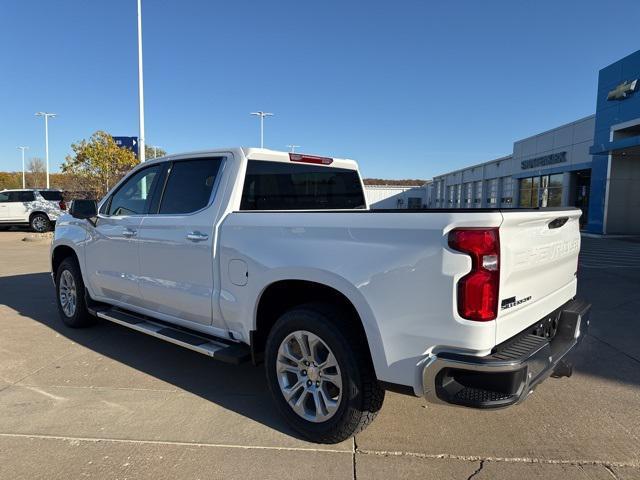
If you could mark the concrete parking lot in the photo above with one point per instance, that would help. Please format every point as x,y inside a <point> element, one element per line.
<point>108,402</point>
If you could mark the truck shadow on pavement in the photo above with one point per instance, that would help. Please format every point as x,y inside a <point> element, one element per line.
<point>612,355</point>
<point>241,389</point>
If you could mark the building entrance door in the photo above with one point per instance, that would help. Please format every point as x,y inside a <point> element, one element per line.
<point>581,195</point>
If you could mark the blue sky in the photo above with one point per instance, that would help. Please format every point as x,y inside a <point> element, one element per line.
<point>410,89</point>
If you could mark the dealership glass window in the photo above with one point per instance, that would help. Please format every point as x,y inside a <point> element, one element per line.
<point>525,192</point>
<point>440,195</point>
<point>414,202</point>
<point>492,192</point>
<point>507,191</point>
<point>543,191</point>
<point>468,188</point>
<point>458,196</point>
<point>478,197</point>
<point>451,195</point>
<point>554,196</point>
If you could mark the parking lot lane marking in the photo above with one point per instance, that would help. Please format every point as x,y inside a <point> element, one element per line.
<point>169,442</point>
<point>93,387</point>
<point>441,456</point>
<point>477,458</point>
<point>47,394</point>
<point>2,389</point>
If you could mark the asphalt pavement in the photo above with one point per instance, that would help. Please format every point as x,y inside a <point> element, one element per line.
<point>108,402</point>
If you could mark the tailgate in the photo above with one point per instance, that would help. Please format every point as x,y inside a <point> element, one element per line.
<point>539,259</point>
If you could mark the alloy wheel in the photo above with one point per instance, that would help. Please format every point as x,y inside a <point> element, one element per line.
<point>67,293</point>
<point>309,376</point>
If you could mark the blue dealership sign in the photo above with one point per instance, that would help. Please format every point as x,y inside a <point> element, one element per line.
<point>130,143</point>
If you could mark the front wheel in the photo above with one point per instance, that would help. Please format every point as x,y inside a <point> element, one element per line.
<point>320,374</point>
<point>70,295</point>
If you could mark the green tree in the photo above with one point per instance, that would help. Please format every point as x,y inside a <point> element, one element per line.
<point>151,151</point>
<point>98,162</point>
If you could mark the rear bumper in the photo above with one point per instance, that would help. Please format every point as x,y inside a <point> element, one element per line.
<point>513,370</point>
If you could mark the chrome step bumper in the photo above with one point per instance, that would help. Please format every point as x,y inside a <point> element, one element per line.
<point>512,371</point>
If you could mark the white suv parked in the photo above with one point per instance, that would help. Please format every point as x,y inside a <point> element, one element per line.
<point>39,208</point>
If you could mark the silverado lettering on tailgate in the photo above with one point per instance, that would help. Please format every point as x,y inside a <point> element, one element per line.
<point>546,253</point>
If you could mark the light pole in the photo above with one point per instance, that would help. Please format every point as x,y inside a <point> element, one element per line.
<point>46,137</point>
<point>141,151</point>
<point>293,148</point>
<point>262,114</point>
<point>24,185</point>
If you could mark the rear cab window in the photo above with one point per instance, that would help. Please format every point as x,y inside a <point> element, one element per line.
<point>271,185</point>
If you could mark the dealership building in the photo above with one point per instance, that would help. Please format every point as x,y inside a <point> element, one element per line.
<point>592,163</point>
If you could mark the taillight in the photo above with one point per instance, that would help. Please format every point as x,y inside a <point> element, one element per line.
<point>297,157</point>
<point>62,205</point>
<point>478,290</point>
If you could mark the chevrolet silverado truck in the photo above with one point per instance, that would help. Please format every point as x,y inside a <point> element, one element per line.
<point>247,254</point>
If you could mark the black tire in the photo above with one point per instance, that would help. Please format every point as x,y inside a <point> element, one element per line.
<point>39,223</point>
<point>80,317</point>
<point>362,395</point>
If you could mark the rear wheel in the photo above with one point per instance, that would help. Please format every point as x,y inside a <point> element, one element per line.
<point>320,374</point>
<point>70,295</point>
<point>39,223</point>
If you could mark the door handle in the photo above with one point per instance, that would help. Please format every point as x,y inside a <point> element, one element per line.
<point>129,233</point>
<point>197,236</point>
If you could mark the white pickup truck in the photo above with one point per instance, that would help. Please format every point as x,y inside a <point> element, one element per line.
<point>251,254</point>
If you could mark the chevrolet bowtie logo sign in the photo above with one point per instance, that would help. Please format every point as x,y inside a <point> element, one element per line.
<point>623,90</point>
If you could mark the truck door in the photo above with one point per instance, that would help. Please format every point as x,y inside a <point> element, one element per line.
<point>112,251</point>
<point>177,243</point>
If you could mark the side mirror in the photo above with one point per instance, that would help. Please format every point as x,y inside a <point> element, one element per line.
<point>84,209</point>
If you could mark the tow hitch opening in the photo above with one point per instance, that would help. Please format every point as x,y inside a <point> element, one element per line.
<point>563,369</point>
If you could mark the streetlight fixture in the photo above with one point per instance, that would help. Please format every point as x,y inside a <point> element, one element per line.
<point>293,148</point>
<point>155,150</point>
<point>46,116</point>
<point>141,152</point>
<point>24,185</point>
<point>262,114</point>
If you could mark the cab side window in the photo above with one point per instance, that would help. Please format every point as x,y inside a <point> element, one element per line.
<point>135,195</point>
<point>189,185</point>
<point>4,197</point>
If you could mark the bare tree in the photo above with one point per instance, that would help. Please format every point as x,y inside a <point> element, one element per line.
<point>38,170</point>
